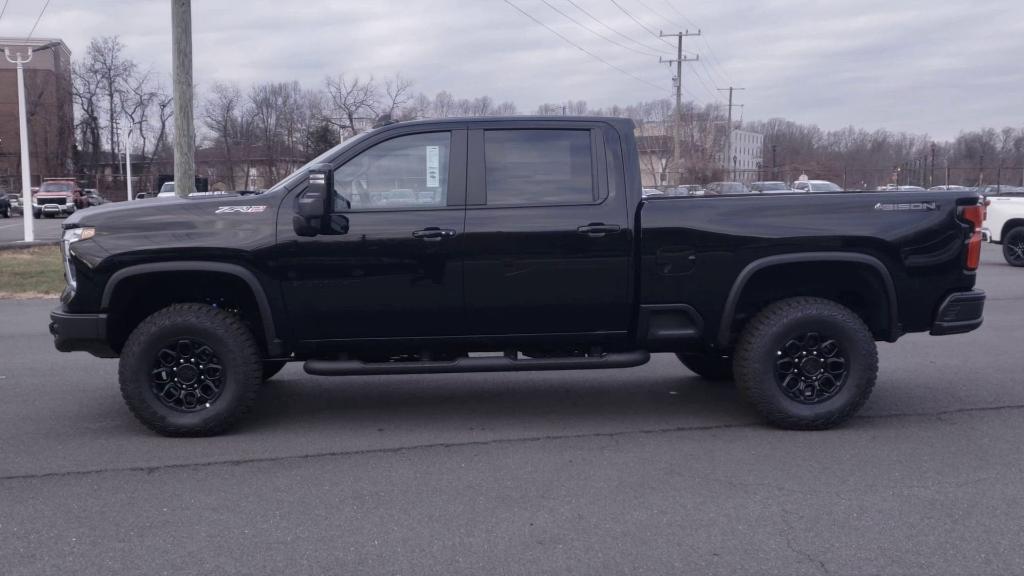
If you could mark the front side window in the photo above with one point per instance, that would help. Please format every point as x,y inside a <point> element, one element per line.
<point>530,167</point>
<point>404,172</point>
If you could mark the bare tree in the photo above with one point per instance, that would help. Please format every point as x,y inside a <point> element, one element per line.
<point>106,62</point>
<point>351,101</point>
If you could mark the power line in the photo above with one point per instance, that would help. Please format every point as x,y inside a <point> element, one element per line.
<point>595,32</point>
<point>2,11</point>
<point>596,19</point>
<point>582,49</point>
<point>38,18</point>
<point>641,24</point>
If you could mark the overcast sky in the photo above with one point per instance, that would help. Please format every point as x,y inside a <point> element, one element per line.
<point>925,66</point>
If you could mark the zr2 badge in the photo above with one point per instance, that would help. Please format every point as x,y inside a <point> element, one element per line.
<point>240,209</point>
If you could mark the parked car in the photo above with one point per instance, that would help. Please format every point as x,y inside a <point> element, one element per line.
<point>166,190</point>
<point>57,197</point>
<point>686,190</point>
<point>548,259</point>
<point>15,201</point>
<point>950,187</point>
<point>721,188</point>
<point>1004,225</point>
<point>93,198</point>
<point>770,187</point>
<point>652,192</point>
<point>816,186</point>
<point>5,205</point>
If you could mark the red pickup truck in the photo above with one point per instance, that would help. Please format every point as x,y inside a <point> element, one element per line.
<point>57,197</point>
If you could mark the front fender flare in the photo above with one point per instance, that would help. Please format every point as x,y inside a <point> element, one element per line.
<point>266,314</point>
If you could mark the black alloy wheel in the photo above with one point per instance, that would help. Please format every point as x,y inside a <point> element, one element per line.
<point>811,368</point>
<point>187,375</point>
<point>1013,247</point>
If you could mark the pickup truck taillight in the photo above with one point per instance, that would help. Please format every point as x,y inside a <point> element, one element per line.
<point>975,215</point>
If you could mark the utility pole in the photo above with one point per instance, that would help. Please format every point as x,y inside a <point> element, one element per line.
<point>775,163</point>
<point>678,61</point>
<point>728,134</point>
<point>931,173</point>
<point>184,122</point>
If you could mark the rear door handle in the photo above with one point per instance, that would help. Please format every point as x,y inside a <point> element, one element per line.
<point>597,230</point>
<point>433,234</point>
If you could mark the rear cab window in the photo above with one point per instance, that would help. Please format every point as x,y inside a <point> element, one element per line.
<point>537,167</point>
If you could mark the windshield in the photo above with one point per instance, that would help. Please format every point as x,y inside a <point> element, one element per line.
<point>294,176</point>
<point>56,187</point>
<point>825,187</point>
<point>167,187</point>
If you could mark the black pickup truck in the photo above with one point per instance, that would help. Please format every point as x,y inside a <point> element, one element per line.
<point>503,244</point>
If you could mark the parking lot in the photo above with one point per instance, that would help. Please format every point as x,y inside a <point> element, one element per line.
<point>642,471</point>
<point>13,229</point>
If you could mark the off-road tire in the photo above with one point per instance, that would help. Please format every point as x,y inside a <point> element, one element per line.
<point>272,367</point>
<point>1013,242</point>
<point>7,212</point>
<point>708,366</point>
<point>235,347</point>
<point>758,352</point>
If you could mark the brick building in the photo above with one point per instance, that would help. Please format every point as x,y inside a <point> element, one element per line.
<point>50,112</point>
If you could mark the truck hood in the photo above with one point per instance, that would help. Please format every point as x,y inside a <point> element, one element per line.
<point>178,223</point>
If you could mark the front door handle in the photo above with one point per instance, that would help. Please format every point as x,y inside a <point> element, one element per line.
<point>433,234</point>
<point>597,230</point>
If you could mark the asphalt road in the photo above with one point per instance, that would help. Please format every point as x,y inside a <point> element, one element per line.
<point>642,471</point>
<point>13,229</point>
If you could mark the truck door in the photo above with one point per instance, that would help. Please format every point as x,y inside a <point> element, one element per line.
<point>547,241</point>
<point>394,271</point>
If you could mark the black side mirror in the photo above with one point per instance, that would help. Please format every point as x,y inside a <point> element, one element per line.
<point>315,202</point>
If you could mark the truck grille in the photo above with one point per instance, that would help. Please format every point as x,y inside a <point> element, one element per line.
<point>55,201</point>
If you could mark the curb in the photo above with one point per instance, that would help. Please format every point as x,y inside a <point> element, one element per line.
<point>28,245</point>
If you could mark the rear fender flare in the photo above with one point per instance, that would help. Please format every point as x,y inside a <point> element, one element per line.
<point>729,311</point>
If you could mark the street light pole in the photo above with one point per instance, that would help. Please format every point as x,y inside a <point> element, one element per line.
<point>26,175</point>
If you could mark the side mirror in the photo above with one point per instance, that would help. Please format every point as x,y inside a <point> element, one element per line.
<point>314,202</point>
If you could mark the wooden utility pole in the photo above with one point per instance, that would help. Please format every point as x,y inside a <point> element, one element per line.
<point>728,133</point>
<point>184,122</point>
<point>678,61</point>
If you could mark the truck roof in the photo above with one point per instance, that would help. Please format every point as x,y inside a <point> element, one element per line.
<point>619,122</point>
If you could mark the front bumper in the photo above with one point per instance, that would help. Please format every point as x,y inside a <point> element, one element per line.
<point>960,312</point>
<point>80,333</point>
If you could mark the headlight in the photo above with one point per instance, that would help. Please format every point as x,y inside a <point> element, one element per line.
<point>72,235</point>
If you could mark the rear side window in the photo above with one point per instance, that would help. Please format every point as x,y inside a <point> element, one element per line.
<point>529,167</point>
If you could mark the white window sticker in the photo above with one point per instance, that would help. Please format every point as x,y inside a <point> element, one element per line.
<point>433,166</point>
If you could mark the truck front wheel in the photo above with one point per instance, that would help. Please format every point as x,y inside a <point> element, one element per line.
<point>708,366</point>
<point>1013,247</point>
<point>806,363</point>
<point>190,370</point>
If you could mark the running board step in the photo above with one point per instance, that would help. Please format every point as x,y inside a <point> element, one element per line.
<point>476,364</point>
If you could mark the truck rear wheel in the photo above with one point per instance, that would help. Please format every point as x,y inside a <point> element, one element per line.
<point>708,366</point>
<point>806,363</point>
<point>190,370</point>
<point>1013,247</point>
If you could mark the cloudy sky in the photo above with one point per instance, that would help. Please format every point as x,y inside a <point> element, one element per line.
<point>926,66</point>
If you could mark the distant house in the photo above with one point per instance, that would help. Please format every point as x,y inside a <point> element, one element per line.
<point>50,112</point>
<point>247,167</point>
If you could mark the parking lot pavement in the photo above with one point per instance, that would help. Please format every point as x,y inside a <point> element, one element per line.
<point>642,471</point>
<point>13,229</point>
